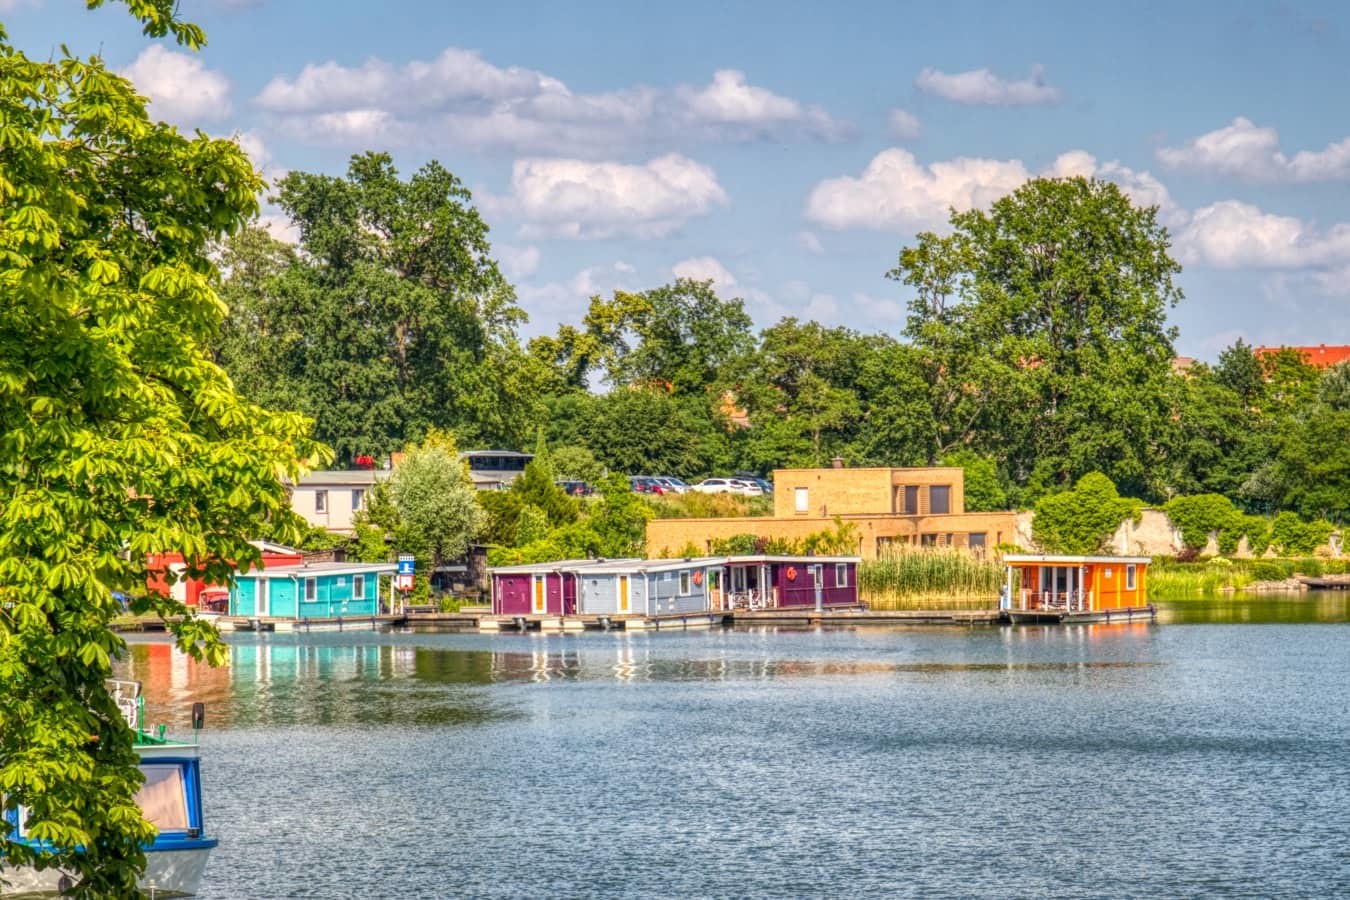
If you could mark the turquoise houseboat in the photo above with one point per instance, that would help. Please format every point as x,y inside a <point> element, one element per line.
<point>315,591</point>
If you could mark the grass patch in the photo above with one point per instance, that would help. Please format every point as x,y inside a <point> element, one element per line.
<point>937,578</point>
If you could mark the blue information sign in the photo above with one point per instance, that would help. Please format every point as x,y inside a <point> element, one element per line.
<point>405,565</point>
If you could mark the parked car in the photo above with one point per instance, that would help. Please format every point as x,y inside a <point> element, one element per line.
<point>713,486</point>
<point>672,484</point>
<point>575,488</point>
<point>745,487</point>
<point>645,484</point>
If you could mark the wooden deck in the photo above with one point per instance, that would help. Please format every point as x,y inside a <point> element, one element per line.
<point>1329,583</point>
<point>1064,617</point>
<point>853,616</point>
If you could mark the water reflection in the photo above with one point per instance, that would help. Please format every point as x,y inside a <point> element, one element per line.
<point>1302,608</point>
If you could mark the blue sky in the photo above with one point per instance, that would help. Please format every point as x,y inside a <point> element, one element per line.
<point>789,153</point>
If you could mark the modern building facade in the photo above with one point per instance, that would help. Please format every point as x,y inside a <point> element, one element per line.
<point>887,507</point>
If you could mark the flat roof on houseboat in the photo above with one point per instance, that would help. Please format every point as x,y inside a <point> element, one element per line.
<point>793,559</point>
<point>326,568</point>
<point>1063,559</point>
<point>559,565</point>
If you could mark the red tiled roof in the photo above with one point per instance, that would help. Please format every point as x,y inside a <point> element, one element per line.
<point>1320,356</point>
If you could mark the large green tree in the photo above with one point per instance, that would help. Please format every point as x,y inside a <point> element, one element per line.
<point>1043,320</point>
<point>391,319</point>
<point>119,437</point>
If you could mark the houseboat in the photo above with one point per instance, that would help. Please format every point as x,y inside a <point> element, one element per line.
<point>540,589</point>
<point>313,591</point>
<point>1050,588</point>
<point>773,582</point>
<point>655,588</point>
<point>170,799</point>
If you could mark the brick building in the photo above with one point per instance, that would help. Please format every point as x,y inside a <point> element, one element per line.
<point>887,507</point>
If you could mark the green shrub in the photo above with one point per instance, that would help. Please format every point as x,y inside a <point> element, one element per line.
<point>1082,520</point>
<point>1310,567</point>
<point>1269,570</point>
<point>1290,534</point>
<point>1196,517</point>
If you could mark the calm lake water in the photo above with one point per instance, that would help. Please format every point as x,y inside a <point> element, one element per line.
<point>1205,755</point>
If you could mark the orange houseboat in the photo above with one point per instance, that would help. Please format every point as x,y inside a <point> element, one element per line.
<point>1076,588</point>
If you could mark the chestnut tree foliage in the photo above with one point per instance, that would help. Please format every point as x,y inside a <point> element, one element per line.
<point>119,437</point>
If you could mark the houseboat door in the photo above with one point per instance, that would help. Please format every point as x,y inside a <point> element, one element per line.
<point>623,593</point>
<point>262,597</point>
<point>539,606</point>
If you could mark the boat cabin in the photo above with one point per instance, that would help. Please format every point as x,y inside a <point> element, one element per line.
<point>1075,584</point>
<point>540,589</point>
<point>314,591</point>
<point>768,582</point>
<point>650,587</point>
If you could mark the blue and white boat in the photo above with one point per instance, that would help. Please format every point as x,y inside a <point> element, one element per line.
<point>170,799</point>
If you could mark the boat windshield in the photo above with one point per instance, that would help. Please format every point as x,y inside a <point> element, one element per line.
<point>163,798</point>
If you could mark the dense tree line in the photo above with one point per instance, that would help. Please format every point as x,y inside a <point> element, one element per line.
<point>1036,351</point>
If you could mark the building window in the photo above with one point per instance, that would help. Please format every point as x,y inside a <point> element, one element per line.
<point>684,583</point>
<point>800,498</point>
<point>358,498</point>
<point>976,541</point>
<point>359,587</point>
<point>311,590</point>
<point>841,575</point>
<point>321,501</point>
<point>939,500</point>
<point>911,504</point>
<point>928,540</point>
<point>1129,577</point>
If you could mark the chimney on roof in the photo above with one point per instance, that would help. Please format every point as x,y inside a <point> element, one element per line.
<point>838,462</point>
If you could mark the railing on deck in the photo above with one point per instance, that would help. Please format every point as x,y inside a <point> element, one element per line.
<point>127,696</point>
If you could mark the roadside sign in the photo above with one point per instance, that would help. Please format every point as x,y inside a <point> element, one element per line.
<point>405,564</point>
<point>403,582</point>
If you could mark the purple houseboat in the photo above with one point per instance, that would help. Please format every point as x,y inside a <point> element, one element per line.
<point>768,582</point>
<point>538,589</point>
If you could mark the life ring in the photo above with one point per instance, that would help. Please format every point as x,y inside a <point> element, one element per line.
<point>698,578</point>
<point>791,574</point>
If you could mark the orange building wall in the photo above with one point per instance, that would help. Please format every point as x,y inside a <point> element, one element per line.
<point>668,537</point>
<point>869,491</point>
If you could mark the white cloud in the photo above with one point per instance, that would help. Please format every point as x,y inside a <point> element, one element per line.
<point>462,99</point>
<point>573,198</point>
<point>904,126</point>
<point>180,87</point>
<point>896,192</point>
<point>518,262</point>
<point>1248,151</point>
<point>706,268</point>
<point>810,243</point>
<point>981,87</point>
<point>13,5</point>
<point>1236,235</point>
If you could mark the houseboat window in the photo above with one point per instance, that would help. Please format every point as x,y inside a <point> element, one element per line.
<point>911,506</point>
<point>818,575</point>
<point>359,587</point>
<point>311,590</point>
<point>684,582</point>
<point>1129,578</point>
<point>976,540</point>
<point>803,503</point>
<point>939,499</point>
<point>840,575</point>
<point>320,501</point>
<point>162,798</point>
<point>358,499</point>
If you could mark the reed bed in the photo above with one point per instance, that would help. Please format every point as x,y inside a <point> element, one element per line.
<point>930,578</point>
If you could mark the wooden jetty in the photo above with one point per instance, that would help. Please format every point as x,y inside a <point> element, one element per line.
<point>307,625</point>
<point>1328,583</point>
